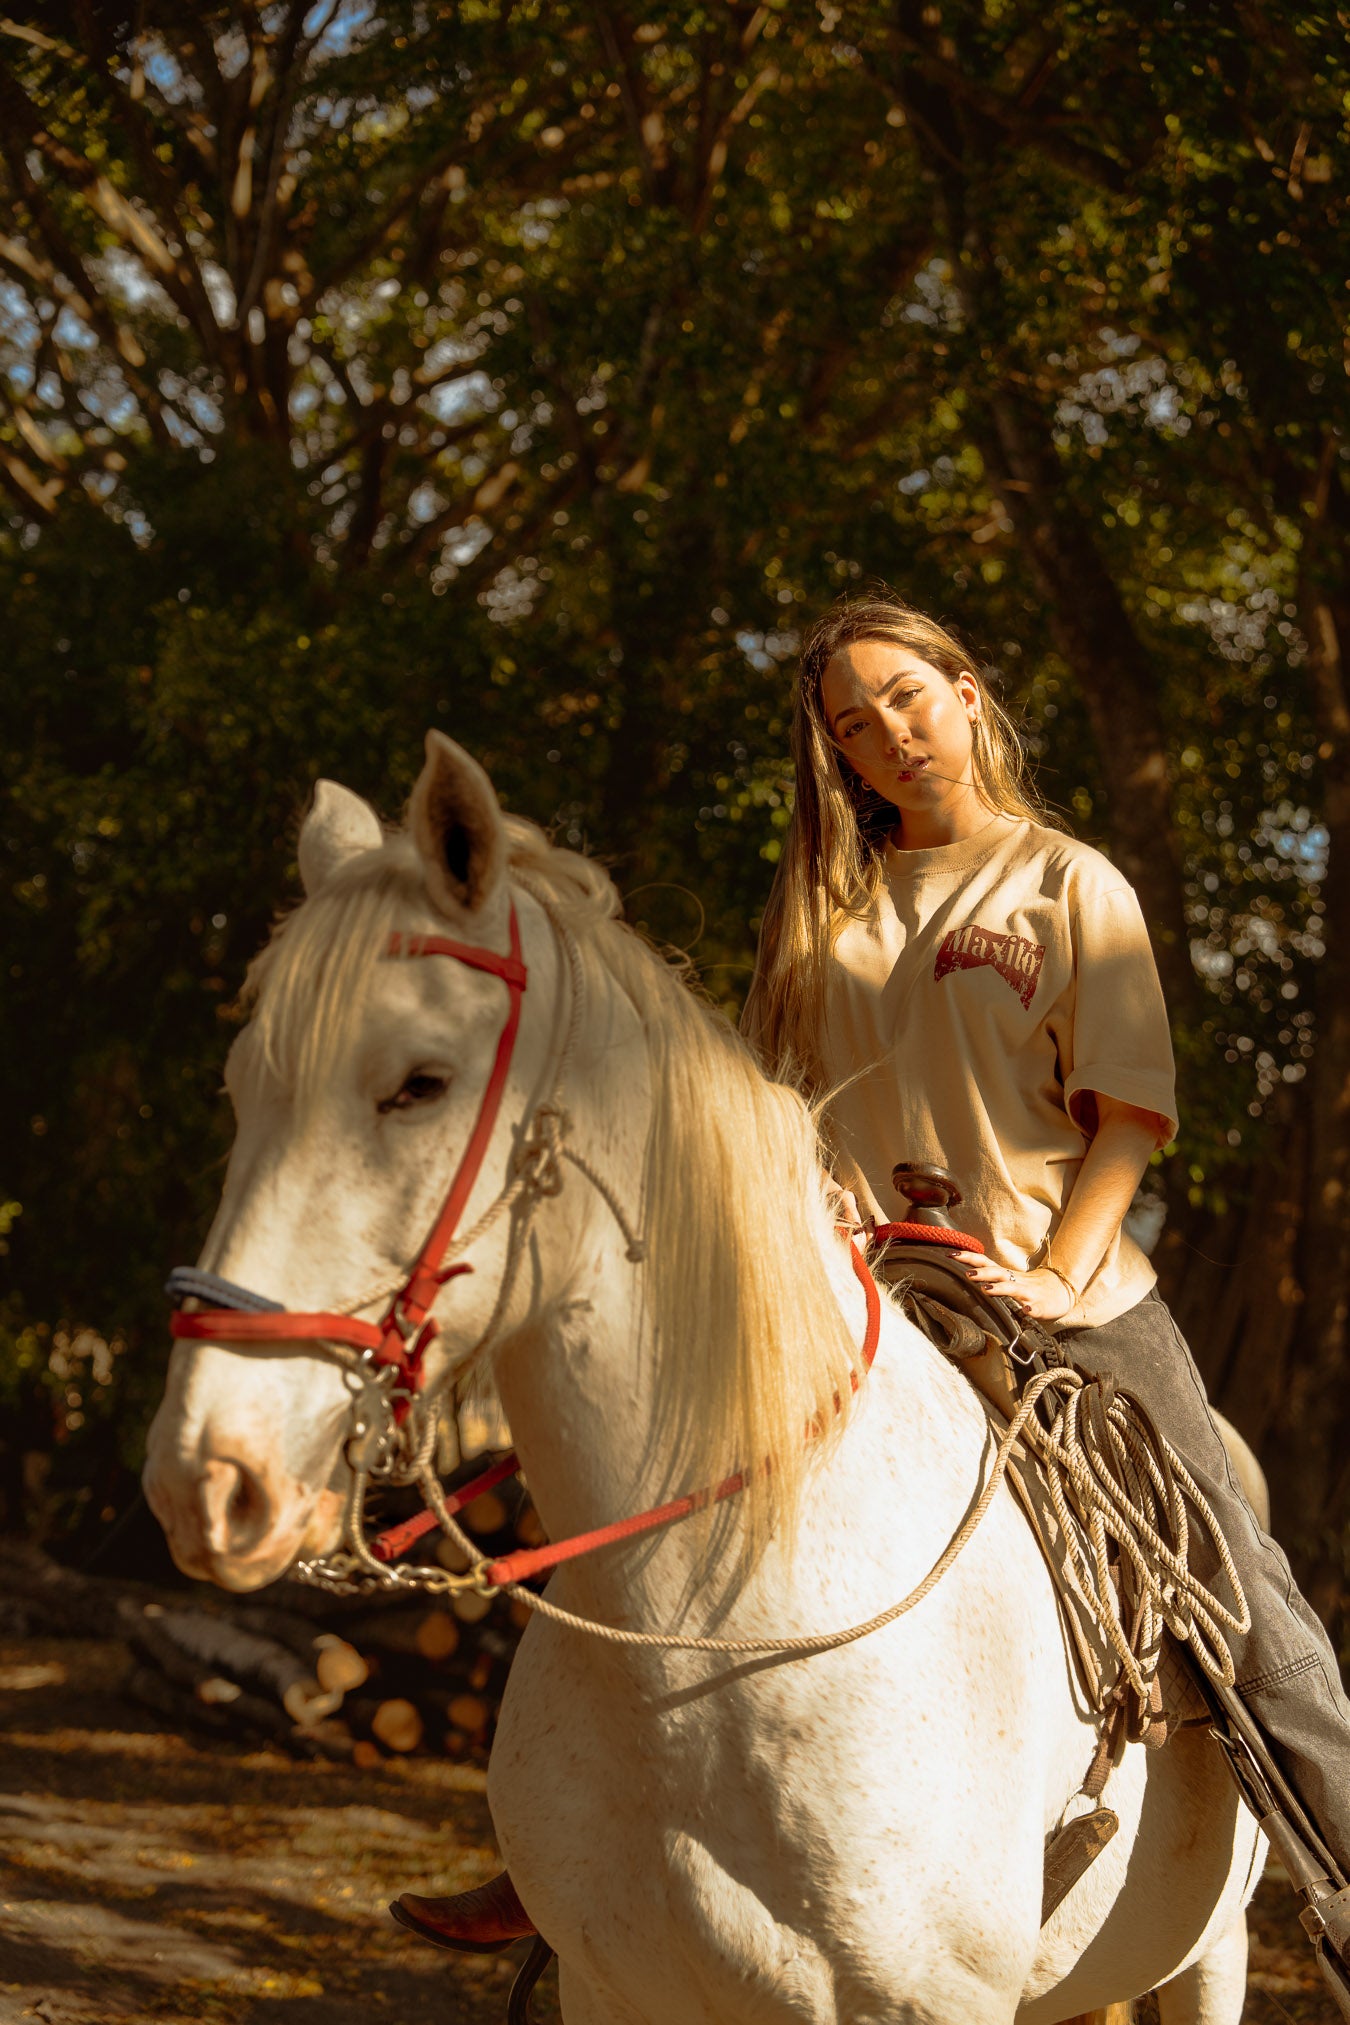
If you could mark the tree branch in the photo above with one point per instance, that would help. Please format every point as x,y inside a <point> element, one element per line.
<point>1021,126</point>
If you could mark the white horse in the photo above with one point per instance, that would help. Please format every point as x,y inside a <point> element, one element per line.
<point>856,1836</point>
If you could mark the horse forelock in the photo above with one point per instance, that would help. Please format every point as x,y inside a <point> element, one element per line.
<point>306,990</point>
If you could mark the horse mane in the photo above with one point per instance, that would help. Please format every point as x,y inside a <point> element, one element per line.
<point>750,1347</point>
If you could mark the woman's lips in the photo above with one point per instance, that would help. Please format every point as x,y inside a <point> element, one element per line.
<point>914,766</point>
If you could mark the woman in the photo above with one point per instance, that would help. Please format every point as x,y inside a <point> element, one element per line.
<point>966,985</point>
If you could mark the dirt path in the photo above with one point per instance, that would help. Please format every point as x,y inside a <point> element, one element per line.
<point>144,1876</point>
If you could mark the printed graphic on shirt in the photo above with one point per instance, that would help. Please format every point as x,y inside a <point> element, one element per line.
<point>1016,959</point>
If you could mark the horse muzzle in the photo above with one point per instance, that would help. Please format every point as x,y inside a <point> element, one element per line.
<point>235,1520</point>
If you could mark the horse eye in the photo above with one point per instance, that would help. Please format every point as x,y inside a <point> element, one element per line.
<point>419,1088</point>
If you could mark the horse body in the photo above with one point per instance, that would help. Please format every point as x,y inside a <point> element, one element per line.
<point>851,1836</point>
<point>823,1839</point>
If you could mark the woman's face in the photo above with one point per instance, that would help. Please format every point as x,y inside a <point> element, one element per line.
<point>901,724</point>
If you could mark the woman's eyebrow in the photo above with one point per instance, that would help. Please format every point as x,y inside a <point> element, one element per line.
<point>883,695</point>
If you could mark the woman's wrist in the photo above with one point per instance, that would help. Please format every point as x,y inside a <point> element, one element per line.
<point>1074,1293</point>
<point>1073,1276</point>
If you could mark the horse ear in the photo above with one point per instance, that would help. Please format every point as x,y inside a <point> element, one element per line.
<point>339,826</point>
<point>456,824</point>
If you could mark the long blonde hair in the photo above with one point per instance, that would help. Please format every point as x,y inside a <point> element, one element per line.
<point>830,868</point>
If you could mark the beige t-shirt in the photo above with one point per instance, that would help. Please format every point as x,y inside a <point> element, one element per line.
<point>996,983</point>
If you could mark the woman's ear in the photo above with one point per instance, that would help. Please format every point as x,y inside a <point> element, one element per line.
<point>339,826</point>
<point>969,691</point>
<point>456,824</point>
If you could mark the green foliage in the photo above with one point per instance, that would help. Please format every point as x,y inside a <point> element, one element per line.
<point>537,374</point>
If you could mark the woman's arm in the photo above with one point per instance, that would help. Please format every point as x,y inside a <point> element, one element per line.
<point>1102,1192</point>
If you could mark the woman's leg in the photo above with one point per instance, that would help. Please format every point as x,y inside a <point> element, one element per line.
<point>1287,1672</point>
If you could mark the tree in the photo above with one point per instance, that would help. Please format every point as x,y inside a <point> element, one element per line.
<point>536,371</point>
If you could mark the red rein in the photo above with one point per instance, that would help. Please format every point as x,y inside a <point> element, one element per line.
<point>520,1567</point>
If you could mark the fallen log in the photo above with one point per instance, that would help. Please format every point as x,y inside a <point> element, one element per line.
<point>338,1665</point>
<point>243,1718</point>
<point>192,1645</point>
<point>59,1602</point>
<point>334,1661</point>
<point>398,1725</point>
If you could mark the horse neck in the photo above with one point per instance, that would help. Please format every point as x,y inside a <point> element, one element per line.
<point>578,1380</point>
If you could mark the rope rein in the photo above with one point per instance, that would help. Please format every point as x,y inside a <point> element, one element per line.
<point>1120,1488</point>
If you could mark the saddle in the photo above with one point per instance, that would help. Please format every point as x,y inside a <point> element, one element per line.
<point>998,1350</point>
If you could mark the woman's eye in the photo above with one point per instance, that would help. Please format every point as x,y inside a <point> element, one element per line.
<point>419,1088</point>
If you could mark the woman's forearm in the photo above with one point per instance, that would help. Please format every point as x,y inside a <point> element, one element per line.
<point>1111,1171</point>
<point>1103,1191</point>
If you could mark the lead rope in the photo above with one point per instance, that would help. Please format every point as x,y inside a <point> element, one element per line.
<point>822,1642</point>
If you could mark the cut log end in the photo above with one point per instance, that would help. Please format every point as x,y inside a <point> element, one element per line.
<point>339,1666</point>
<point>398,1725</point>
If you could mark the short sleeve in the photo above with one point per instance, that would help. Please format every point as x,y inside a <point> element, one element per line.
<point>1121,1041</point>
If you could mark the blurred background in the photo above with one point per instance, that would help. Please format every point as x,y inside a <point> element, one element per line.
<point>538,372</point>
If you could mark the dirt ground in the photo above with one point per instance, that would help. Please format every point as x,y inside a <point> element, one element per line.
<point>145,1876</point>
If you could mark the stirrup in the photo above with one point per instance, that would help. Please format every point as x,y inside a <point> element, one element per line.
<point>527,1975</point>
<point>1325,1913</point>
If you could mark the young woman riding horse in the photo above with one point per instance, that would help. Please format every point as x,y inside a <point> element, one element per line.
<point>968,986</point>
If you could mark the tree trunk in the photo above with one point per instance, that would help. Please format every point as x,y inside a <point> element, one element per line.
<point>1265,1302</point>
<point>1089,624</point>
<point>1309,1466</point>
<point>1095,637</point>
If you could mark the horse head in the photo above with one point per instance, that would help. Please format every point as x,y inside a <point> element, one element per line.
<point>357,1084</point>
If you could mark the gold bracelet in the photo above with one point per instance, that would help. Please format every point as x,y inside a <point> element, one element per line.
<point>1075,1293</point>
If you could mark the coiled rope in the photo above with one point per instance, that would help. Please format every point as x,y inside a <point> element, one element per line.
<point>1110,1473</point>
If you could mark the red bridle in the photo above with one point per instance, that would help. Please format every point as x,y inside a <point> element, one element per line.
<point>401,1339</point>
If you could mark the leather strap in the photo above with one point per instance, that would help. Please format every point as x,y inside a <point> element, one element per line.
<point>424,1282</point>
<point>396,1540</point>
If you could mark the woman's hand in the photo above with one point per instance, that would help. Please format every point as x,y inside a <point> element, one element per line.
<point>1040,1295</point>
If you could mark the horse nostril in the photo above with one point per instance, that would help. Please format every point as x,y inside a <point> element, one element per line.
<point>238,1509</point>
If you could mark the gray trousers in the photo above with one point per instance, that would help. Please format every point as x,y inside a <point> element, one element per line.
<point>1287,1672</point>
